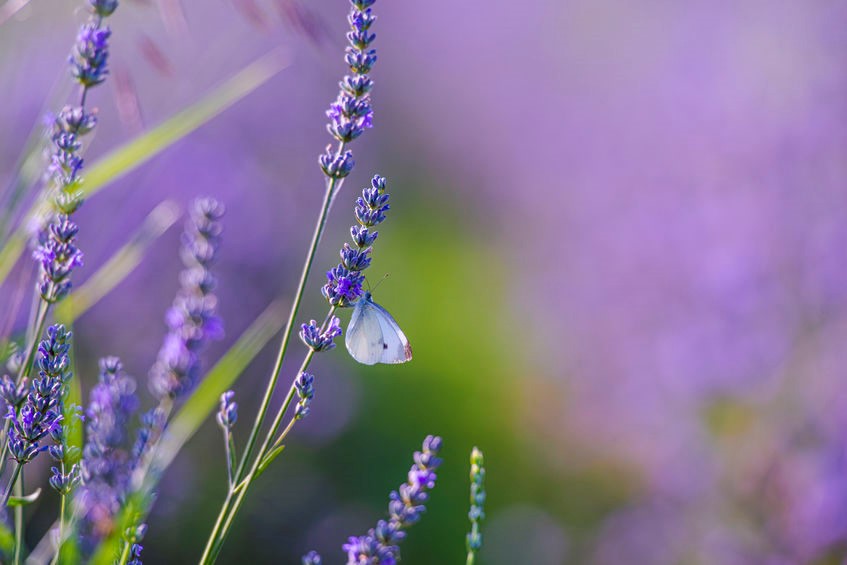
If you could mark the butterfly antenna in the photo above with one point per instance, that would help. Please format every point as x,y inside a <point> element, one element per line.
<point>385,276</point>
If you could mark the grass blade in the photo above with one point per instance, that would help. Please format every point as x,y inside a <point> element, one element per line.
<point>144,147</point>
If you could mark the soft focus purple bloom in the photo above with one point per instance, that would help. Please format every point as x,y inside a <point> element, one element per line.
<point>13,395</point>
<point>380,545</point>
<point>106,463</point>
<point>192,320</point>
<point>90,54</point>
<point>311,558</point>
<point>319,339</point>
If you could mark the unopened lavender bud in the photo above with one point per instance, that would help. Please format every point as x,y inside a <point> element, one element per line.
<point>228,411</point>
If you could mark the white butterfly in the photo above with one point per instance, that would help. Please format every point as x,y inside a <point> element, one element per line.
<point>374,337</point>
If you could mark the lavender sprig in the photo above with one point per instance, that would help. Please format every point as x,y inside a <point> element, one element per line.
<point>41,413</point>
<point>351,113</point>
<point>476,514</point>
<point>57,253</point>
<point>344,281</point>
<point>349,116</point>
<point>226,417</point>
<point>380,546</point>
<point>192,320</point>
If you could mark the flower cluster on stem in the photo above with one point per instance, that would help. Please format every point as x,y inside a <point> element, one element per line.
<point>192,320</point>
<point>40,414</point>
<point>344,281</point>
<point>351,113</point>
<point>106,462</point>
<point>57,253</point>
<point>380,546</point>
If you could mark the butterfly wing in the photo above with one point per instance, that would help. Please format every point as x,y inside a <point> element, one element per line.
<point>395,346</point>
<point>364,339</point>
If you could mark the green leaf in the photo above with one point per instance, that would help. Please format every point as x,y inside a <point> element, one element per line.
<point>121,264</point>
<point>24,500</point>
<point>269,458</point>
<point>147,145</point>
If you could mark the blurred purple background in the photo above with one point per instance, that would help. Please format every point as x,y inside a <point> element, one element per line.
<point>617,244</point>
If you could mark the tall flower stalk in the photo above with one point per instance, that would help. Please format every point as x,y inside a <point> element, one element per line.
<point>349,115</point>
<point>476,514</point>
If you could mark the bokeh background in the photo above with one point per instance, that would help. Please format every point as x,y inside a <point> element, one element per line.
<point>617,244</point>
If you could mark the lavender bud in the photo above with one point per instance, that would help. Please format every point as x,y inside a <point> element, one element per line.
<point>228,412</point>
<point>192,320</point>
<point>305,385</point>
<point>311,558</point>
<point>318,339</point>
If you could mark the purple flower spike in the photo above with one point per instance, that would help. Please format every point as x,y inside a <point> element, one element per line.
<point>57,253</point>
<point>351,113</point>
<point>344,282</point>
<point>106,461</point>
<point>192,320</point>
<point>381,544</point>
<point>41,412</point>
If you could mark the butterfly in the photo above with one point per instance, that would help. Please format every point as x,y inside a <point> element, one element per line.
<point>373,336</point>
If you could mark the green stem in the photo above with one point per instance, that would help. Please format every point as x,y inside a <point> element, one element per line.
<point>242,492</point>
<point>125,553</point>
<point>332,187</point>
<point>19,518</point>
<point>471,558</point>
<point>61,526</point>
<point>12,481</point>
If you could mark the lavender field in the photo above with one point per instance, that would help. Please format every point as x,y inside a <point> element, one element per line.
<point>613,235</point>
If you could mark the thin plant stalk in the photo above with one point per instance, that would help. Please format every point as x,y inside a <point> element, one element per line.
<point>61,525</point>
<point>12,480</point>
<point>19,516</point>
<point>333,186</point>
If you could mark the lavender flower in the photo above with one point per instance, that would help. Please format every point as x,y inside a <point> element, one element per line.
<point>90,54</point>
<point>106,463</point>
<point>319,339</point>
<point>476,514</point>
<point>344,282</point>
<point>193,319</point>
<point>305,385</point>
<point>41,414</point>
<point>228,412</point>
<point>57,252</point>
<point>381,544</point>
<point>135,554</point>
<point>351,112</point>
<point>311,558</point>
